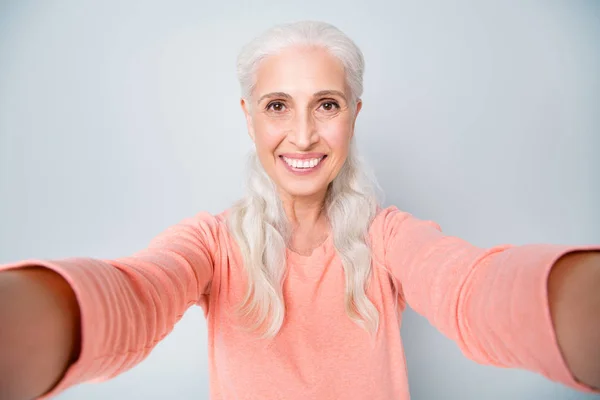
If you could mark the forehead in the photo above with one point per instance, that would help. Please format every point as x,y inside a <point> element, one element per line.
<point>300,71</point>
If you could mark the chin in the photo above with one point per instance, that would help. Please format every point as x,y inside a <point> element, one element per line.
<point>303,189</point>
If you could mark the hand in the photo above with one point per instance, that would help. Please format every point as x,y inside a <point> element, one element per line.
<point>574,298</point>
<point>39,331</point>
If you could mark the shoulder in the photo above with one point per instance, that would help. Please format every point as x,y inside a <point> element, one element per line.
<point>387,220</point>
<point>390,222</point>
<point>214,224</point>
<point>203,227</point>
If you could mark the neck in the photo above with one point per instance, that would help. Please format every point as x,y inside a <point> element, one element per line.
<point>305,213</point>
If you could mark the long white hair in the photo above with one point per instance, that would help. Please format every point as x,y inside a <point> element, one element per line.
<point>258,221</point>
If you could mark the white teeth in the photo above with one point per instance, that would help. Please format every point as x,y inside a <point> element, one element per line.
<point>295,163</point>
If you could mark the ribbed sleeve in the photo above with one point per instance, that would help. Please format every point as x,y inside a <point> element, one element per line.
<point>492,302</point>
<point>129,304</point>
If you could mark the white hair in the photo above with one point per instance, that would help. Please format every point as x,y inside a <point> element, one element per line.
<point>258,221</point>
<point>304,33</point>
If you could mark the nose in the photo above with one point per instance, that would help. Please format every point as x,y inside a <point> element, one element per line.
<point>304,134</point>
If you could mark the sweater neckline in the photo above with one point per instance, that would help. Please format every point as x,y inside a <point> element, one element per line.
<point>317,253</point>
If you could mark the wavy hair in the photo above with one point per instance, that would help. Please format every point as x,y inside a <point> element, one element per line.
<point>258,221</point>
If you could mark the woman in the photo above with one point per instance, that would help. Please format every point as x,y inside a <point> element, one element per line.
<point>303,281</point>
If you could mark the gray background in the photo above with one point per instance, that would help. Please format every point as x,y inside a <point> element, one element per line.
<point>117,119</point>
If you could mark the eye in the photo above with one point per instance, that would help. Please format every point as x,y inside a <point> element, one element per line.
<point>276,106</point>
<point>330,105</point>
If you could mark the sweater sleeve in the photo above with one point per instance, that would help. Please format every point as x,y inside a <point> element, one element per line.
<point>129,304</point>
<point>492,302</point>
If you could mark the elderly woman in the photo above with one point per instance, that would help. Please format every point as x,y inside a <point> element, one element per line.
<point>303,282</point>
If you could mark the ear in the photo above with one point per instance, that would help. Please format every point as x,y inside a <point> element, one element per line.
<point>248,115</point>
<point>358,108</point>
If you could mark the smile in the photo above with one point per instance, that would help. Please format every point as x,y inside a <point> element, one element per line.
<point>302,165</point>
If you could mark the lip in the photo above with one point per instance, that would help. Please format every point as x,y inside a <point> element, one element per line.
<point>301,172</point>
<point>303,156</point>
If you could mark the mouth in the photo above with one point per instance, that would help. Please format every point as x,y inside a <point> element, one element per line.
<point>302,165</point>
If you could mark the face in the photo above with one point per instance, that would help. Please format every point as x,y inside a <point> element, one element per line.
<point>301,120</point>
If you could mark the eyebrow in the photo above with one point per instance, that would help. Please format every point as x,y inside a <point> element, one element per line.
<point>330,93</point>
<point>286,96</point>
<point>273,95</point>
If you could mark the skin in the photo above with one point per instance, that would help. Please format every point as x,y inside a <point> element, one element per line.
<point>300,105</point>
<point>574,299</point>
<point>39,331</point>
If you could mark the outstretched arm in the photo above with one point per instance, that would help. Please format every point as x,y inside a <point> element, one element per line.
<point>495,302</point>
<point>119,308</point>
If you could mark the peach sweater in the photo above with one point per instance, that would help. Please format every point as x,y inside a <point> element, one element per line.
<point>492,302</point>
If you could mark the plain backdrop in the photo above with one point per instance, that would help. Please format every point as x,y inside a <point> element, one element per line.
<point>119,118</point>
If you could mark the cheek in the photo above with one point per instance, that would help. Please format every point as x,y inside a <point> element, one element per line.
<point>337,135</point>
<point>268,134</point>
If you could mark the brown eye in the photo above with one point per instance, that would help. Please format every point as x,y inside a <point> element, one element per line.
<point>276,106</point>
<point>330,106</point>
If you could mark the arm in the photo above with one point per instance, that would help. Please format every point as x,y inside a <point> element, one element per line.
<point>126,305</point>
<point>574,297</point>
<point>39,298</point>
<point>493,302</point>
